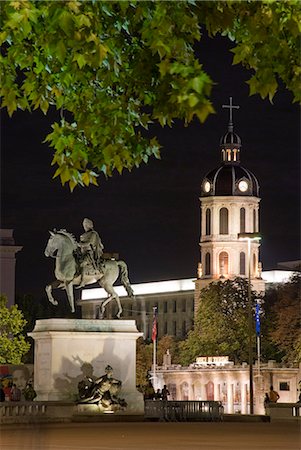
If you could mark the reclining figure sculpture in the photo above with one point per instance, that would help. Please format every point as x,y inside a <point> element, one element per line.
<point>103,391</point>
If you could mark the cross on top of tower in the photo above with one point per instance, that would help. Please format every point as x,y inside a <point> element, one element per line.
<point>230,107</point>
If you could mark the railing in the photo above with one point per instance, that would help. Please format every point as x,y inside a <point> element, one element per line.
<point>286,411</point>
<point>21,411</point>
<point>36,411</point>
<point>180,411</point>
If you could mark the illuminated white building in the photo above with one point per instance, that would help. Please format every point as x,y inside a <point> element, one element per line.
<point>174,299</point>
<point>229,206</point>
<point>217,378</point>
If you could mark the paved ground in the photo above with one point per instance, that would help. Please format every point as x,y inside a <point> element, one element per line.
<point>152,436</point>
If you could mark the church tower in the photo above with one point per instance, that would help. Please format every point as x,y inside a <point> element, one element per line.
<point>229,208</point>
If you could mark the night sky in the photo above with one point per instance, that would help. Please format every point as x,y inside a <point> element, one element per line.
<point>151,216</point>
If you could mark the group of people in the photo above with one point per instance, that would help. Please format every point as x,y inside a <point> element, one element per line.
<point>10,392</point>
<point>162,395</point>
<point>271,397</point>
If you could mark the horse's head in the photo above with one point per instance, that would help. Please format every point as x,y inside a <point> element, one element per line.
<point>52,245</point>
<point>60,241</point>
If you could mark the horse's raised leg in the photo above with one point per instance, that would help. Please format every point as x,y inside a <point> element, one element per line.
<point>70,295</point>
<point>55,284</point>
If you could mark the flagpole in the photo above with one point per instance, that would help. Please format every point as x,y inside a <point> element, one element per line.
<point>154,362</point>
<point>258,354</point>
<point>257,321</point>
<point>154,339</point>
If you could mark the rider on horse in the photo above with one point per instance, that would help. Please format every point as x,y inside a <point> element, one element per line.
<point>91,251</point>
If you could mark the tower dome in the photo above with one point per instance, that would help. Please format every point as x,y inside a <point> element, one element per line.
<point>230,178</point>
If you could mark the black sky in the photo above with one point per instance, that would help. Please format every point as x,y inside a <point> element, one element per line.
<point>151,216</point>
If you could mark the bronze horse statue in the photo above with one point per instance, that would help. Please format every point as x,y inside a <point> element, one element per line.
<point>63,247</point>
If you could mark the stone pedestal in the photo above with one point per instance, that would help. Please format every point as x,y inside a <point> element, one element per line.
<point>67,350</point>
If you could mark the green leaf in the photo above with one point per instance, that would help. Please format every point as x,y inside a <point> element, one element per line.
<point>44,105</point>
<point>193,100</point>
<point>86,178</point>
<point>197,84</point>
<point>66,22</point>
<point>80,59</point>
<point>65,175</point>
<point>61,51</point>
<point>203,111</point>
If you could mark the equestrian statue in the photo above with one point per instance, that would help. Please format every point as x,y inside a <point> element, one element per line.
<point>79,264</point>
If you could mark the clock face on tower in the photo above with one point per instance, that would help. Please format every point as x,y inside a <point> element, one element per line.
<point>207,186</point>
<point>243,186</point>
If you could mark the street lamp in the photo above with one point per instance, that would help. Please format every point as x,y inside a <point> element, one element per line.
<point>249,237</point>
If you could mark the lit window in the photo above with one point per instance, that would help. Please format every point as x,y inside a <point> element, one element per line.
<point>207,264</point>
<point>184,305</point>
<point>184,328</point>
<point>223,263</point>
<point>165,327</point>
<point>284,386</point>
<point>208,222</point>
<point>242,220</point>
<point>254,221</point>
<point>254,265</point>
<point>223,221</point>
<point>175,328</point>
<point>242,263</point>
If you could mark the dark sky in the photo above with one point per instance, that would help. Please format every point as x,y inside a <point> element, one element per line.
<point>151,216</point>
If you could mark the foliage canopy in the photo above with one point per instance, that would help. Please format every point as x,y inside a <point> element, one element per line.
<point>12,342</point>
<point>144,358</point>
<point>112,68</point>
<point>221,324</point>
<point>285,313</point>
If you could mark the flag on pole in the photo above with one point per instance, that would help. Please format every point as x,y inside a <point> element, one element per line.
<point>257,318</point>
<point>155,324</point>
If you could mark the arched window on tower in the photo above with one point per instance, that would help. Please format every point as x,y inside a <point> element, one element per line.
<point>242,220</point>
<point>254,221</point>
<point>223,221</point>
<point>208,222</point>
<point>254,265</point>
<point>242,263</point>
<point>207,264</point>
<point>223,264</point>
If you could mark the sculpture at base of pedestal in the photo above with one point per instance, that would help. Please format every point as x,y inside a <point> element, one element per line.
<point>102,392</point>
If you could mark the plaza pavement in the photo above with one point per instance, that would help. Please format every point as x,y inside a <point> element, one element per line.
<point>152,436</point>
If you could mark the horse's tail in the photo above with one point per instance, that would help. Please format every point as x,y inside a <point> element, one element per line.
<point>124,276</point>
